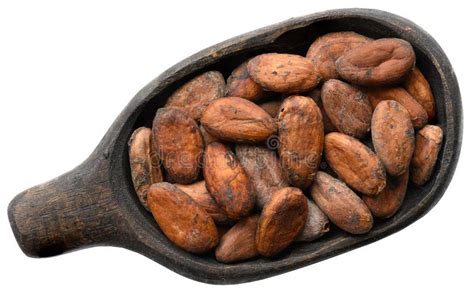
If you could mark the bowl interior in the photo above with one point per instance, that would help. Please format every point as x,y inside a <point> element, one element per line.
<point>297,41</point>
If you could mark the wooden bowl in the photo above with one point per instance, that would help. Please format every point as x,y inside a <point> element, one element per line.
<point>95,204</point>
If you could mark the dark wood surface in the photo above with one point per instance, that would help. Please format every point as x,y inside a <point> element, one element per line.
<point>95,204</point>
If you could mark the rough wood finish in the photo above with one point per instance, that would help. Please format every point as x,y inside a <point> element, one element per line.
<point>99,193</point>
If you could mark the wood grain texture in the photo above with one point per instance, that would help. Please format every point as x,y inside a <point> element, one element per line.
<point>75,210</point>
<point>95,204</point>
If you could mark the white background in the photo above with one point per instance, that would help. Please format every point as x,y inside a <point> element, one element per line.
<point>66,72</point>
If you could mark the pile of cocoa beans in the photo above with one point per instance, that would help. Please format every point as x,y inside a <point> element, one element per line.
<point>288,147</point>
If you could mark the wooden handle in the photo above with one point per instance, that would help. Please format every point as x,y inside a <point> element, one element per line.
<point>72,211</point>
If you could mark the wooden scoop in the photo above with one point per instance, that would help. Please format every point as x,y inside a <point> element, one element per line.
<point>95,204</point>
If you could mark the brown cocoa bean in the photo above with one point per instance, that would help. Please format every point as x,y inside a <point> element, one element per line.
<point>144,170</point>
<point>347,107</point>
<point>227,181</point>
<point>354,163</point>
<point>280,144</point>
<point>182,221</point>
<point>239,84</point>
<point>221,230</point>
<point>207,137</point>
<point>325,50</point>
<point>324,167</point>
<point>388,201</point>
<point>168,178</point>
<point>264,169</point>
<point>238,120</point>
<point>198,192</point>
<point>195,95</point>
<point>179,144</point>
<point>283,73</point>
<point>301,135</point>
<point>239,242</point>
<point>315,94</point>
<point>379,62</point>
<point>342,206</point>
<point>427,146</point>
<point>393,136</point>
<point>418,115</point>
<point>317,224</point>
<point>272,107</point>
<point>417,86</point>
<point>281,220</point>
